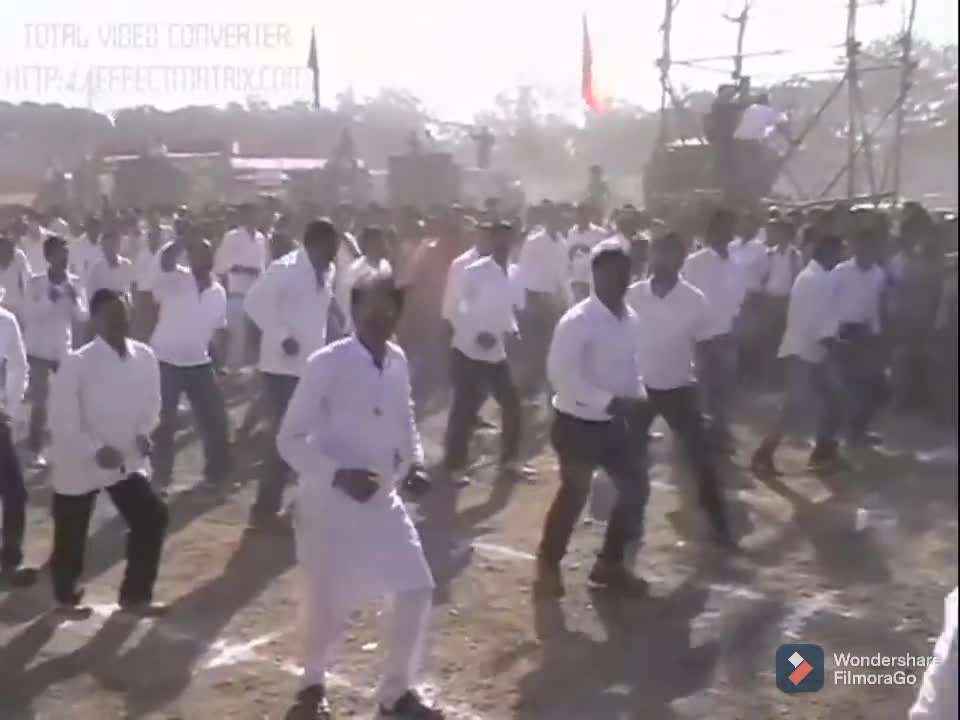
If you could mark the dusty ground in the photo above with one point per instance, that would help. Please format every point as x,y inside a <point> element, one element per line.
<point>702,647</point>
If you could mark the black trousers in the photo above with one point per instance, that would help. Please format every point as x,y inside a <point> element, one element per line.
<point>583,446</point>
<point>472,382</point>
<point>278,389</point>
<point>537,322</point>
<point>680,408</point>
<point>146,517</point>
<point>13,497</point>
<point>864,365</point>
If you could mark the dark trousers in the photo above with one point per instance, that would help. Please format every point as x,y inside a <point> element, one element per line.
<point>146,517</point>
<point>277,390</point>
<point>536,323</point>
<point>716,361</point>
<point>863,362</point>
<point>40,371</point>
<point>680,408</point>
<point>206,401</point>
<point>13,497</point>
<point>472,382</point>
<point>582,447</point>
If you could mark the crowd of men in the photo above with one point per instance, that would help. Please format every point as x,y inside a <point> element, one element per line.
<point>356,319</point>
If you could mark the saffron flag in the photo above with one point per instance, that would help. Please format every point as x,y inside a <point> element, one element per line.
<point>314,66</point>
<point>586,77</point>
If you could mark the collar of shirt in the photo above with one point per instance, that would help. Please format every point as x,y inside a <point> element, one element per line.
<point>304,265</point>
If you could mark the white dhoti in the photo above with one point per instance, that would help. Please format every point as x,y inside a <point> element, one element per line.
<point>350,554</point>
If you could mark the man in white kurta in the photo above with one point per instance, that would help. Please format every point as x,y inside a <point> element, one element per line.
<point>350,435</point>
<point>105,402</point>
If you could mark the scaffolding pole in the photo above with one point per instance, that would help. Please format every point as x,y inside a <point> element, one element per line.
<point>852,79</point>
<point>907,66</point>
<point>740,21</point>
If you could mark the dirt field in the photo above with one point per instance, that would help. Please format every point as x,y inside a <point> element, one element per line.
<point>701,647</point>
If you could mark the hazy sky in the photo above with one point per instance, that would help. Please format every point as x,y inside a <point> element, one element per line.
<point>454,54</point>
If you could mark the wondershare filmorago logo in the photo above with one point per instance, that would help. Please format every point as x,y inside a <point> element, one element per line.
<point>799,668</point>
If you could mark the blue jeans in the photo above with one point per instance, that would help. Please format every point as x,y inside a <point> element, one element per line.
<point>277,389</point>
<point>716,361</point>
<point>206,401</point>
<point>812,390</point>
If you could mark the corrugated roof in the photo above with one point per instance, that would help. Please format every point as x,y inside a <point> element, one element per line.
<point>280,164</point>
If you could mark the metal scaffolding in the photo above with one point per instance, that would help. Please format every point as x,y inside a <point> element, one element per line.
<point>861,156</point>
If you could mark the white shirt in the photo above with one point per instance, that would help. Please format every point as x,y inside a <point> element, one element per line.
<point>757,123</point>
<point>543,266</point>
<point>288,301</point>
<point>13,280</point>
<point>188,318</point>
<point>783,269</point>
<point>13,365</point>
<point>486,305</point>
<point>811,315</point>
<point>32,246</point>
<point>48,325</point>
<point>454,286</point>
<point>98,399</point>
<point>670,328</point>
<point>346,413</point>
<point>580,244</point>
<point>118,278</point>
<point>751,256</point>
<point>593,358</point>
<point>241,248</point>
<point>83,256</point>
<point>345,284</point>
<point>858,293</point>
<point>721,282</point>
<point>937,699</point>
<point>146,264</point>
<point>516,284</point>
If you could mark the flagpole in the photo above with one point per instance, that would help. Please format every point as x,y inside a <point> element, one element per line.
<point>314,65</point>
